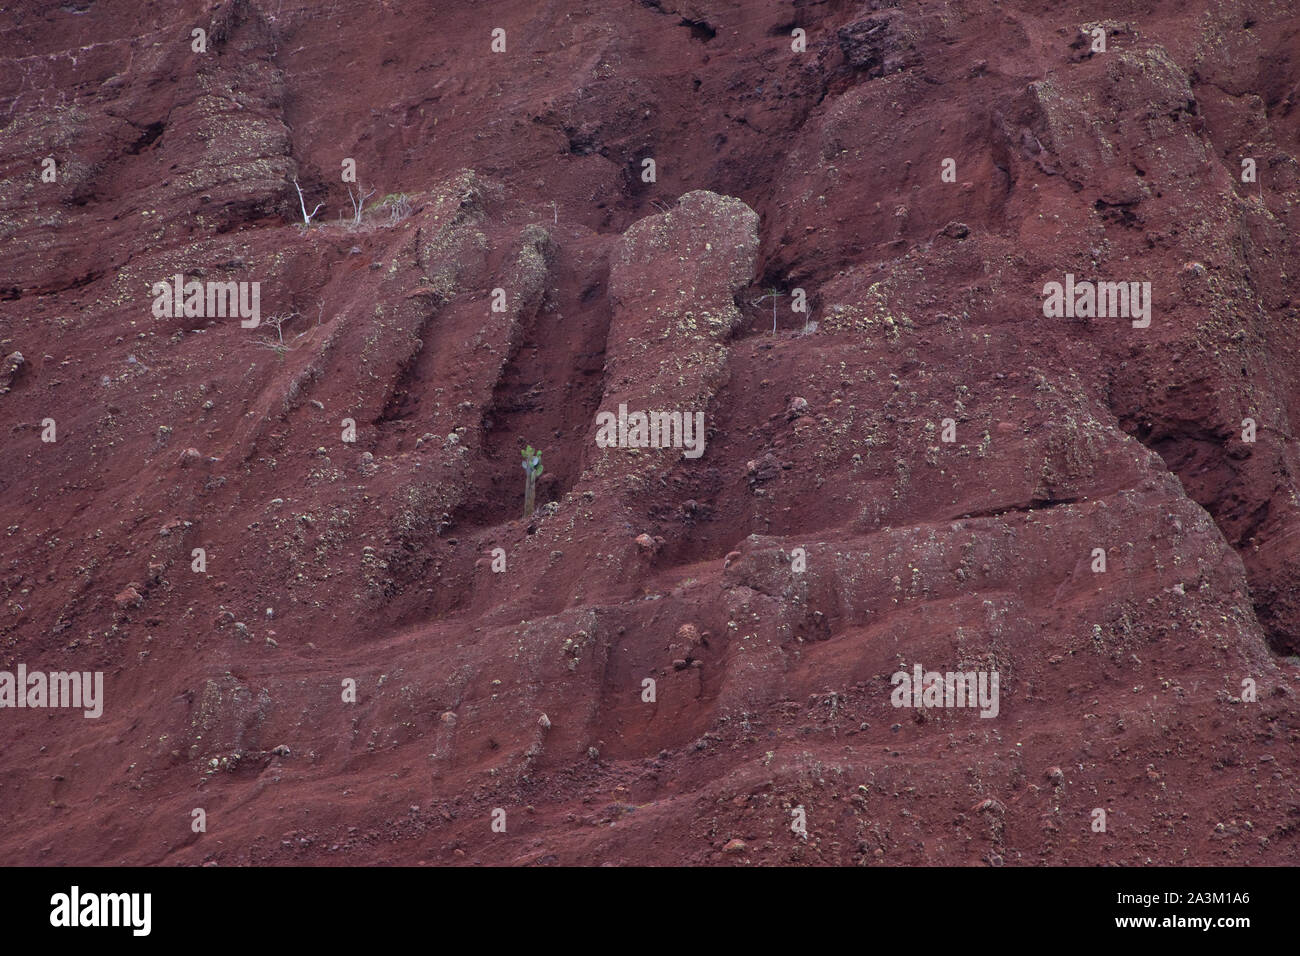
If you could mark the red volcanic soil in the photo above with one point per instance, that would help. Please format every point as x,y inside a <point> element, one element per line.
<point>350,679</point>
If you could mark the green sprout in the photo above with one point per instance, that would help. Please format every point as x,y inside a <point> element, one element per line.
<point>532,465</point>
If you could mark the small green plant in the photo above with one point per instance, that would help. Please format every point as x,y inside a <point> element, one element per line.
<point>532,471</point>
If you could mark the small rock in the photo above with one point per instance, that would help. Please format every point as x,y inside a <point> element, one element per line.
<point>129,597</point>
<point>176,524</point>
<point>645,543</point>
<point>544,722</point>
<point>280,751</point>
<point>735,846</point>
<point>1055,775</point>
<point>190,457</point>
<point>9,370</point>
<point>761,470</point>
<point>797,408</point>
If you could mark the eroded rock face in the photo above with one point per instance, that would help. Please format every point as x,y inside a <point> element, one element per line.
<point>921,469</point>
<point>879,44</point>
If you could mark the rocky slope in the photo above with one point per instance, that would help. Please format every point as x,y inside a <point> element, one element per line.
<point>828,537</point>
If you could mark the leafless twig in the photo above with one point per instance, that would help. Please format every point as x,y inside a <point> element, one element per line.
<point>278,322</point>
<point>358,204</point>
<point>306,217</point>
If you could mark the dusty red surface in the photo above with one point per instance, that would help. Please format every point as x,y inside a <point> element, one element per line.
<point>817,170</point>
